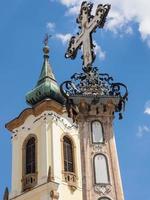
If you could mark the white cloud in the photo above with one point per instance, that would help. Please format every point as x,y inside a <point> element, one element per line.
<point>51,26</point>
<point>64,38</point>
<point>70,3</point>
<point>142,130</point>
<point>121,16</point>
<point>129,30</point>
<point>147,108</point>
<point>73,10</point>
<point>99,52</point>
<point>147,111</point>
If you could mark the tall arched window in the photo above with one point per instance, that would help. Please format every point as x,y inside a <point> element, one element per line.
<point>30,156</point>
<point>101,169</point>
<point>68,154</point>
<point>29,179</point>
<point>97,132</point>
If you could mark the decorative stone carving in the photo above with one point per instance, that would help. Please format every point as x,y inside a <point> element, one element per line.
<point>71,179</point>
<point>102,189</point>
<point>54,194</point>
<point>29,181</point>
<point>98,148</point>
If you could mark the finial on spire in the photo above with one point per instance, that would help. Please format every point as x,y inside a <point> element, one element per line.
<point>46,39</point>
<point>46,47</point>
<point>46,87</point>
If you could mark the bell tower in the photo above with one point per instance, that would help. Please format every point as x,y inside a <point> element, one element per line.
<point>46,162</point>
<point>92,101</point>
<point>63,145</point>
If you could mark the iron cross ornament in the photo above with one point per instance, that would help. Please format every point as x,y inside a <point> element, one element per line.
<point>90,85</point>
<point>88,24</point>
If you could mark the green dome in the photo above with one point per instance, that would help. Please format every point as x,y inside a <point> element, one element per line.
<point>46,87</point>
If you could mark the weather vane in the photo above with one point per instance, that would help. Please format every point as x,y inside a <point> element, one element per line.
<point>88,24</point>
<point>46,39</point>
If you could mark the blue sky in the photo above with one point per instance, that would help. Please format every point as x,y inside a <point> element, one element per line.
<point>123,51</point>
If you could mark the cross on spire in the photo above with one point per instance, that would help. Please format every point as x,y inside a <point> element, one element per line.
<point>88,24</point>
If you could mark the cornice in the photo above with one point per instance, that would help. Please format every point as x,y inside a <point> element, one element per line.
<point>35,111</point>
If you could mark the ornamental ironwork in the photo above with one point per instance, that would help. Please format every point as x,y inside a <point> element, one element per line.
<point>91,83</point>
<point>94,84</point>
<point>88,24</point>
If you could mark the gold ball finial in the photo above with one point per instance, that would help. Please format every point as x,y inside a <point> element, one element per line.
<point>46,50</point>
<point>46,47</point>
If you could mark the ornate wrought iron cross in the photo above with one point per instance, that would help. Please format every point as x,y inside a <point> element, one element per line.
<point>88,24</point>
<point>90,84</point>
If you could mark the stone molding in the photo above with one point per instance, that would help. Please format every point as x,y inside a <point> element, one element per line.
<point>35,111</point>
<point>103,189</point>
<point>98,148</point>
<point>48,115</point>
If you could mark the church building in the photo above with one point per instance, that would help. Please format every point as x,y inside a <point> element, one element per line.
<point>63,145</point>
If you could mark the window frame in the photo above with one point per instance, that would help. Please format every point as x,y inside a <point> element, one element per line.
<point>107,167</point>
<point>107,198</point>
<point>69,177</point>
<point>102,132</point>
<point>24,154</point>
<point>73,154</point>
<point>30,164</point>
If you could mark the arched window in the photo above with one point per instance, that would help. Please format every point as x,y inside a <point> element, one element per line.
<point>97,132</point>
<point>30,156</point>
<point>104,198</point>
<point>101,169</point>
<point>68,154</point>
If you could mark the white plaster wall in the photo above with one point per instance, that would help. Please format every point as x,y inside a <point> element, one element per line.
<point>22,133</point>
<point>49,131</point>
<point>68,194</point>
<point>57,160</point>
<point>16,167</point>
<point>42,161</point>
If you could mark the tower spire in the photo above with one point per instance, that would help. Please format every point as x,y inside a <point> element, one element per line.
<point>46,86</point>
<point>46,72</point>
